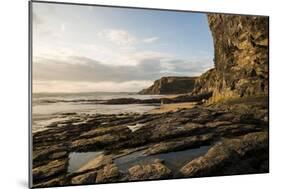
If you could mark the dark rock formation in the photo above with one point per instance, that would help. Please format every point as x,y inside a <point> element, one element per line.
<point>178,99</point>
<point>109,173</point>
<point>238,128</point>
<point>51,169</point>
<point>171,85</point>
<point>179,144</point>
<point>86,178</point>
<point>131,101</point>
<point>241,155</point>
<point>241,57</point>
<point>150,171</point>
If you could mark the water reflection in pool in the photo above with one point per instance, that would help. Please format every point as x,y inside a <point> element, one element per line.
<point>77,159</point>
<point>173,160</point>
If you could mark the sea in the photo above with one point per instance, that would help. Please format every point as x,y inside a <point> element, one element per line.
<point>49,108</point>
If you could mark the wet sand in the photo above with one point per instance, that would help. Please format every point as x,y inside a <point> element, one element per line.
<point>172,107</point>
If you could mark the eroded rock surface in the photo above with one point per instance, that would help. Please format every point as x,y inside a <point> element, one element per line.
<point>171,85</point>
<point>86,178</point>
<point>241,57</point>
<point>179,144</point>
<point>237,129</point>
<point>150,171</point>
<point>109,173</point>
<point>241,155</point>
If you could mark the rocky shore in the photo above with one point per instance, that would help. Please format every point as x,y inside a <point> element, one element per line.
<point>224,133</point>
<point>164,100</point>
<point>235,133</point>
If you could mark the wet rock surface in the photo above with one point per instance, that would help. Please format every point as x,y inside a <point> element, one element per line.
<point>241,155</point>
<point>179,144</point>
<point>188,97</point>
<point>154,170</point>
<point>236,131</point>
<point>86,178</point>
<point>109,173</point>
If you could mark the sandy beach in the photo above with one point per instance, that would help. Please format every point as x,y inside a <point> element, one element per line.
<point>172,107</point>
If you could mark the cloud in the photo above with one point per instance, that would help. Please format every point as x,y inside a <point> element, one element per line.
<point>85,69</point>
<point>123,37</point>
<point>82,74</point>
<point>37,20</point>
<point>40,11</point>
<point>43,30</point>
<point>62,27</point>
<point>151,40</point>
<point>119,37</point>
<point>73,87</point>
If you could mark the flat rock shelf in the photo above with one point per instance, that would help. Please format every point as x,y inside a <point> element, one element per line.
<point>204,140</point>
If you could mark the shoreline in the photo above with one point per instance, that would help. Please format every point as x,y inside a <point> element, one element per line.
<point>147,137</point>
<point>173,102</point>
<point>163,108</point>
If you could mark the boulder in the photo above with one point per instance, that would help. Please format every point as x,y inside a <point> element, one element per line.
<point>109,173</point>
<point>86,178</point>
<point>52,168</point>
<point>86,144</point>
<point>179,144</point>
<point>150,171</point>
<point>174,129</point>
<point>58,181</point>
<point>96,163</point>
<point>245,154</point>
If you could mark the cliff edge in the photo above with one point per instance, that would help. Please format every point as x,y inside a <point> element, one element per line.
<point>171,85</point>
<point>241,57</point>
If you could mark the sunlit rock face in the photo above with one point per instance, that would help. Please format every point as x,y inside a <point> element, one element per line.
<point>241,57</point>
<point>171,85</point>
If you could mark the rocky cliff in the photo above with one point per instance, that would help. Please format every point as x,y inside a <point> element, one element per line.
<point>241,57</point>
<point>171,85</point>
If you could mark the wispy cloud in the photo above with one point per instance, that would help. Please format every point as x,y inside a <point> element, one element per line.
<point>118,36</point>
<point>151,40</point>
<point>123,37</point>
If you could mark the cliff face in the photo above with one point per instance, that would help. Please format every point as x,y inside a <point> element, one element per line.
<point>241,57</point>
<point>171,85</point>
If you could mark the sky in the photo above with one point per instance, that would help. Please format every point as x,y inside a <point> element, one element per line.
<point>80,48</point>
